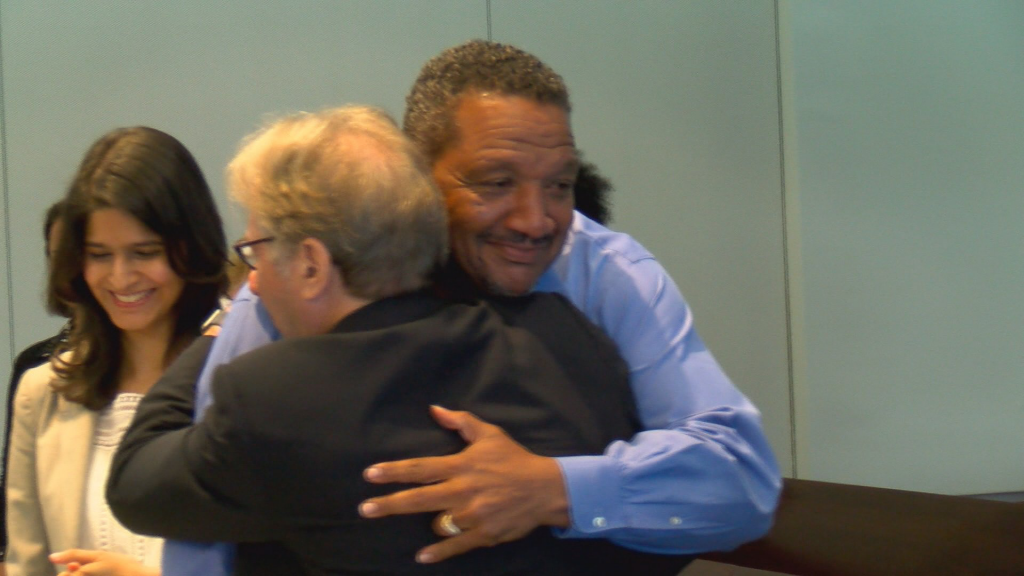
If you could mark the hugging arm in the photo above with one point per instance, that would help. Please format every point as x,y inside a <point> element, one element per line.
<point>175,478</point>
<point>700,477</point>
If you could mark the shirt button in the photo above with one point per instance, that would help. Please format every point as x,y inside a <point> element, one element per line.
<point>600,522</point>
<point>675,520</point>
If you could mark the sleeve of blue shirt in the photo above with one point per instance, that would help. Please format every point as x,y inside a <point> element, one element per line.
<point>246,327</point>
<point>701,476</point>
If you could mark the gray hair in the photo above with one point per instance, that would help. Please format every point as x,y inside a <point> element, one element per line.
<point>349,178</point>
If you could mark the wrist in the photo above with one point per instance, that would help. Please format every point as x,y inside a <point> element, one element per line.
<point>556,513</point>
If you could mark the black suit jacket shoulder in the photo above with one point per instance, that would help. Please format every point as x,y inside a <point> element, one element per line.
<point>279,456</point>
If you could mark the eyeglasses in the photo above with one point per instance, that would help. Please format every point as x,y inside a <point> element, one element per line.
<point>245,251</point>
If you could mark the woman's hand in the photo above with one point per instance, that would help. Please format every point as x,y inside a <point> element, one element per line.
<point>100,563</point>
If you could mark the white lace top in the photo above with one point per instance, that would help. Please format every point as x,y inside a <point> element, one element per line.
<point>100,530</point>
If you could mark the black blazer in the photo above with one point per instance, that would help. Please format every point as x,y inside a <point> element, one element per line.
<point>278,458</point>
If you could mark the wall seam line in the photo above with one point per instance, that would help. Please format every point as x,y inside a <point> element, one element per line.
<point>6,199</point>
<point>785,249</point>
<point>489,37</point>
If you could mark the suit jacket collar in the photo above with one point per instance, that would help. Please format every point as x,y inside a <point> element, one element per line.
<point>391,311</point>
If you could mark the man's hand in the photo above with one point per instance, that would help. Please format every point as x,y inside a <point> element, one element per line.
<point>495,490</point>
<point>100,563</point>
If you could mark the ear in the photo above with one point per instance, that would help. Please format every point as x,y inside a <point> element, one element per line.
<point>314,271</point>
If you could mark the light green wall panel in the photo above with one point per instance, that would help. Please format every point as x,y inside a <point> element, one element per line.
<point>6,358</point>
<point>206,72</point>
<point>677,103</point>
<point>907,123</point>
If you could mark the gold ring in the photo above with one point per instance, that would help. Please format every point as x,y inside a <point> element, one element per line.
<point>448,526</point>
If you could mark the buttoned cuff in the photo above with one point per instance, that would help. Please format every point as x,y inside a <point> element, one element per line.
<point>593,486</point>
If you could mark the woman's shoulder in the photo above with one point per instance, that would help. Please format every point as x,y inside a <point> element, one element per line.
<point>36,380</point>
<point>36,387</point>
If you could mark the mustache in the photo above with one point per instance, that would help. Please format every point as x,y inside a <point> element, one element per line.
<point>517,238</point>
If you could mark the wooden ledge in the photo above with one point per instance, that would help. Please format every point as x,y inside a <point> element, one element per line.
<point>826,528</point>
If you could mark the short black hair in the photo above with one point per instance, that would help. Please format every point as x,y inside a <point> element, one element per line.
<point>591,193</point>
<point>473,67</point>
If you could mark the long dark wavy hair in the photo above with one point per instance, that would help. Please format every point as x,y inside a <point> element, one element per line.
<point>151,176</point>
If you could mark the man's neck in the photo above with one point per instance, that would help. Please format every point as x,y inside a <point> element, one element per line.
<point>322,316</point>
<point>346,308</point>
<point>452,283</point>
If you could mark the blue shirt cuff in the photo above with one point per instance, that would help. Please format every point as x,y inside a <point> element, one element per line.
<point>593,487</point>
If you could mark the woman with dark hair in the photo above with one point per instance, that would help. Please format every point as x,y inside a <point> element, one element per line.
<point>140,264</point>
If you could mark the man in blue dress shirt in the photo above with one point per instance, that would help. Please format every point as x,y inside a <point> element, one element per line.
<point>493,122</point>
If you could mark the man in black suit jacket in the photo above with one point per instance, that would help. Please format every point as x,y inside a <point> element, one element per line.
<point>345,226</point>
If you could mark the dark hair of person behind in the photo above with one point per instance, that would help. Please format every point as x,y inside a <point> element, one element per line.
<point>591,193</point>
<point>476,66</point>
<point>54,214</point>
<point>151,176</point>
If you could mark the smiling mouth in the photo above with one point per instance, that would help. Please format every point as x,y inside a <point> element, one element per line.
<point>525,254</point>
<point>130,300</point>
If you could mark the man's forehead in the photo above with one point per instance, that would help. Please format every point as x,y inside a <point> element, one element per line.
<point>490,116</point>
<point>492,99</point>
<point>561,159</point>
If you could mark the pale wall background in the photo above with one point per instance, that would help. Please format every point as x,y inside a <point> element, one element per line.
<point>835,186</point>
<point>905,163</point>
